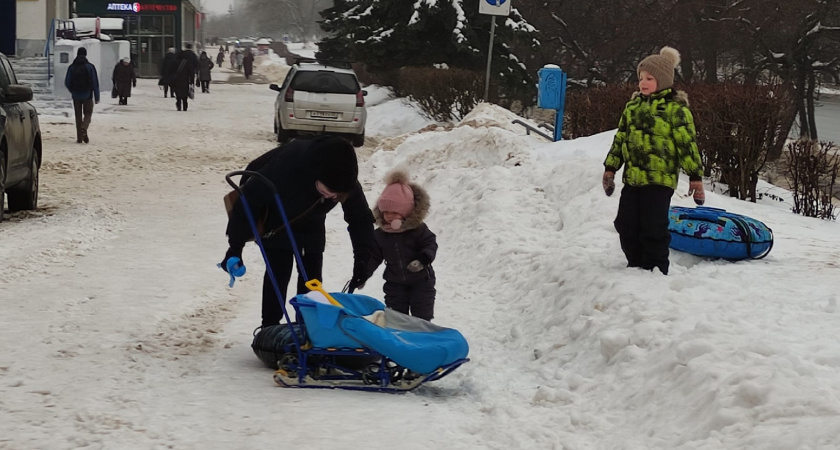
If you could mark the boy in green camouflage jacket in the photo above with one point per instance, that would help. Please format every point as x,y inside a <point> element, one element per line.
<point>655,138</point>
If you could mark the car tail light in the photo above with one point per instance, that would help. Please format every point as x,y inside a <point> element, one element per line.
<point>360,99</point>
<point>290,95</point>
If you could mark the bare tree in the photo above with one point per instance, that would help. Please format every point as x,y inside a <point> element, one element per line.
<point>298,18</point>
<point>796,40</point>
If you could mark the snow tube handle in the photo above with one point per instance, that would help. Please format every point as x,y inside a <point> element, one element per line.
<point>704,213</point>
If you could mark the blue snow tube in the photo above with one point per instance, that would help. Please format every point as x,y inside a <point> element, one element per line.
<point>715,233</point>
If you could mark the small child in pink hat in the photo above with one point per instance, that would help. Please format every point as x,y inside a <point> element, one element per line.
<point>406,245</point>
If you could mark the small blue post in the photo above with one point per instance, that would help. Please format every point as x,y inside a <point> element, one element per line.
<point>552,94</point>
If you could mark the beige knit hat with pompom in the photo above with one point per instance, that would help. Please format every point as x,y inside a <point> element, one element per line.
<point>661,66</point>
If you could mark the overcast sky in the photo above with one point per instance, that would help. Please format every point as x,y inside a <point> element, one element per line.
<point>216,6</point>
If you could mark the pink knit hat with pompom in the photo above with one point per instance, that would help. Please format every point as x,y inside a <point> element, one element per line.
<point>398,198</point>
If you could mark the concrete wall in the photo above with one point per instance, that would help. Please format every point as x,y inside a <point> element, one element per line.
<point>33,20</point>
<point>31,31</point>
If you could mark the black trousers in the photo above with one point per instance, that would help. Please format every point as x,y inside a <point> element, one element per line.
<point>179,101</point>
<point>282,261</point>
<point>205,85</point>
<point>83,110</point>
<point>642,225</point>
<point>415,299</point>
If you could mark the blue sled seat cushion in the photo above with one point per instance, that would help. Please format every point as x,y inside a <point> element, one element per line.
<point>421,349</point>
<point>321,319</point>
<point>716,233</point>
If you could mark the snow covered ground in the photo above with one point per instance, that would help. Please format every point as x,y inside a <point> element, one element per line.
<point>118,330</point>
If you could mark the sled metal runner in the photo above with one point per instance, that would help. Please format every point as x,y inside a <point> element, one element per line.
<point>305,366</point>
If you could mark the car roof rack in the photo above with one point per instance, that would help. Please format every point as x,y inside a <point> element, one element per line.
<point>342,63</point>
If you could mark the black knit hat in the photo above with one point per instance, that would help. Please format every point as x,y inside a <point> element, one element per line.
<point>81,52</point>
<point>335,163</point>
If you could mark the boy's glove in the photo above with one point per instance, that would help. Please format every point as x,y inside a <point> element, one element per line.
<point>695,188</point>
<point>415,266</point>
<point>608,182</point>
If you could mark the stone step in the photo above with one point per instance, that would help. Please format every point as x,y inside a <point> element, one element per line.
<point>35,83</point>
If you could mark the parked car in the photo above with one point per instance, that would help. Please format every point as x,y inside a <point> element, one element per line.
<point>20,143</point>
<point>317,98</point>
<point>247,43</point>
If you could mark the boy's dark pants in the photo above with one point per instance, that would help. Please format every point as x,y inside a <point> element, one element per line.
<point>642,225</point>
<point>83,110</point>
<point>417,299</point>
<point>281,265</point>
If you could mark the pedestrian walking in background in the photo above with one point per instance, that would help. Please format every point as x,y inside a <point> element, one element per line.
<point>168,66</point>
<point>83,83</point>
<point>248,63</point>
<point>239,59</point>
<point>184,78</point>
<point>124,78</point>
<point>204,68</point>
<point>232,56</point>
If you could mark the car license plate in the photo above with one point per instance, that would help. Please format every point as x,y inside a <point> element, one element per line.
<point>323,114</point>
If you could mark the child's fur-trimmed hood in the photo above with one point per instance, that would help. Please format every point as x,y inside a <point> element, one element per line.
<point>422,203</point>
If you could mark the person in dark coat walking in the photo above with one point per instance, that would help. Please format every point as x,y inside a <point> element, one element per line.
<point>248,63</point>
<point>220,57</point>
<point>205,65</point>
<point>184,78</point>
<point>83,83</point>
<point>124,78</point>
<point>168,66</point>
<point>406,245</point>
<point>311,176</point>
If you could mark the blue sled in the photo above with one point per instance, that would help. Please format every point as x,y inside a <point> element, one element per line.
<point>347,350</point>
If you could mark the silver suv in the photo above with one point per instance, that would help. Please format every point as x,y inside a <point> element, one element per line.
<point>318,98</point>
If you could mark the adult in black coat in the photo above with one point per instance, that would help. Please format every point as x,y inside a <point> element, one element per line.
<point>123,79</point>
<point>168,66</point>
<point>248,63</point>
<point>311,176</point>
<point>185,74</point>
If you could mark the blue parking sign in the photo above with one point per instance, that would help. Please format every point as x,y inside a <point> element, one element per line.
<point>494,7</point>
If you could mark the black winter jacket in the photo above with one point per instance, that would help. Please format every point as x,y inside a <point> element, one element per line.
<point>291,167</point>
<point>399,249</point>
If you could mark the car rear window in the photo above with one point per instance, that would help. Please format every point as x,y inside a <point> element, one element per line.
<point>325,83</point>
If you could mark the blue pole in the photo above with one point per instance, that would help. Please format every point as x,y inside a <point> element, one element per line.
<point>558,116</point>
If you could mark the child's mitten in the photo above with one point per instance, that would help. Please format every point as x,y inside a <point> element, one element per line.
<point>415,266</point>
<point>608,182</point>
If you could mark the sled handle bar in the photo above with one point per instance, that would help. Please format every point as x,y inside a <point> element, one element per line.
<point>280,208</point>
<point>258,239</point>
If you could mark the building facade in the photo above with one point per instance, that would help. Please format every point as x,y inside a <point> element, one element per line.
<point>151,27</point>
<point>25,24</point>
